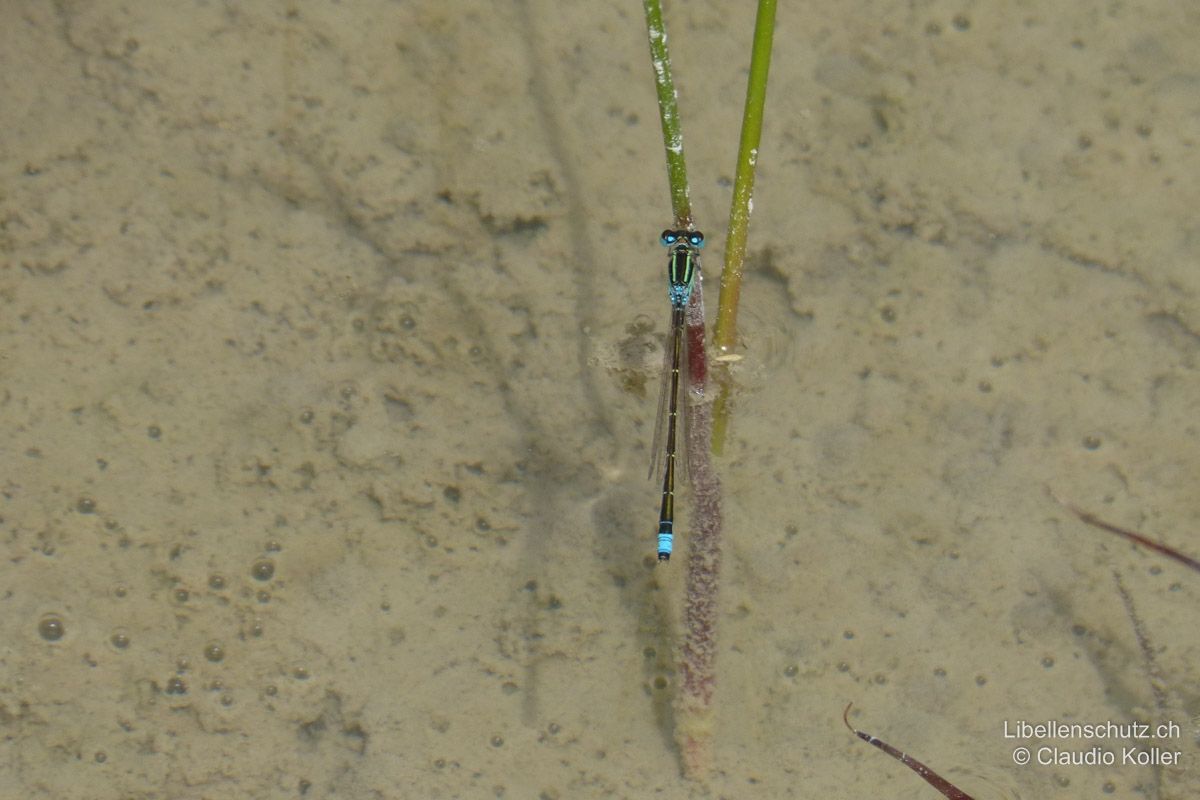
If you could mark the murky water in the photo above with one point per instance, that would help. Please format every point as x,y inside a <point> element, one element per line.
<point>331,341</point>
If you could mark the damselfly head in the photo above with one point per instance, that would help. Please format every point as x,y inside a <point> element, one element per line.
<point>693,238</point>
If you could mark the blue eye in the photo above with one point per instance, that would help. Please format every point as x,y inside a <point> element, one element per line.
<point>669,237</point>
<point>696,239</point>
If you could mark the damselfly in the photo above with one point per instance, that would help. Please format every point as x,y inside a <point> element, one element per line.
<point>682,262</point>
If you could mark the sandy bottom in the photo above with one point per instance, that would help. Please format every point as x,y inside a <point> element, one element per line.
<point>329,349</point>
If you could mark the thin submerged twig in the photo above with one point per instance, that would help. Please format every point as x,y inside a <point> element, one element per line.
<point>1154,674</point>
<point>944,786</point>
<point>1089,518</point>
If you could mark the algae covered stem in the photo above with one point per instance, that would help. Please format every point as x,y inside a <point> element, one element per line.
<point>697,667</point>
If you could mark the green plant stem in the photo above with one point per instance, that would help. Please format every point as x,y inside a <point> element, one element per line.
<point>668,111</point>
<point>725,334</point>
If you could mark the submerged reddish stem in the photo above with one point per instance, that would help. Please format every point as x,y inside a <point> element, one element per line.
<point>944,786</point>
<point>699,650</point>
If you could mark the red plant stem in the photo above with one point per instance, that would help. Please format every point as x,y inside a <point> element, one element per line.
<point>932,778</point>
<point>697,668</point>
<point>1133,536</point>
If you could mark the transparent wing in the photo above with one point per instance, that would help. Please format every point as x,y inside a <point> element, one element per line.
<point>658,446</point>
<point>660,421</point>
